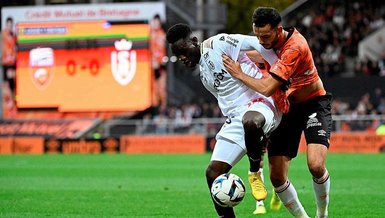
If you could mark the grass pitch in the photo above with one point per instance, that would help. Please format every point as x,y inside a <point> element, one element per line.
<point>155,185</point>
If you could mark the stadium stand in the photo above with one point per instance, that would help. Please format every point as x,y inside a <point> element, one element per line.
<point>334,30</point>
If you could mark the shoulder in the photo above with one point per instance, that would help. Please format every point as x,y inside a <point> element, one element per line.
<point>297,42</point>
<point>225,41</point>
<point>221,37</point>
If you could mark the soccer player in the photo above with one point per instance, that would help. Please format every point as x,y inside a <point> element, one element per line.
<point>250,115</point>
<point>9,54</point>
<point>306,106</point>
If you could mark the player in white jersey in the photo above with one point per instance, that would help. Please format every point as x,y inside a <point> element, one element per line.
<point>251,116</point>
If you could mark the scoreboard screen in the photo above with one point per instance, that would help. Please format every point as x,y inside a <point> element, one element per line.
<point>78,66</point>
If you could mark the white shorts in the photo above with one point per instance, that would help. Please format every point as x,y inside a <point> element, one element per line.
<point>230,146</point>
<point>227,151</point>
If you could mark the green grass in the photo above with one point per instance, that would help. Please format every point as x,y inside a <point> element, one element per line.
<point>168,186</point>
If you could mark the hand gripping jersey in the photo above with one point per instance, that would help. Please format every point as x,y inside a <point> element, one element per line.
<point>231,92</point>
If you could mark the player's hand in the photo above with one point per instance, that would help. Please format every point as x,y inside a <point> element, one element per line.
<point>233,67</point>
<point>286,85</point>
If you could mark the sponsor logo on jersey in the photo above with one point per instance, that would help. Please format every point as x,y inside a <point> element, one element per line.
<point>204,80</point>
<point>228,120</point>
<point>232,41</point>
<point>222,38</point>
<point>211,65</point>
<point>206,56</point>
<point>207,60</point>
<point>218,79</point>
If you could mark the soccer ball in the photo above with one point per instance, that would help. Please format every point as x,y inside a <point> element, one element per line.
<point>228,190</point>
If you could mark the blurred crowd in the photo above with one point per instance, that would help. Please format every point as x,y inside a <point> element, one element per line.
<point>180,118</point>
<point>334,30</point>
<point>369,105</point>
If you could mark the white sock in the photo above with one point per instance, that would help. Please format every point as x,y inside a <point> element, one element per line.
<point>262,177</point>
<point>289,198</point>
<point>321,188</point>
<point>260,203</point>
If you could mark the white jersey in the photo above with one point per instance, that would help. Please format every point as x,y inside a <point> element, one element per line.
<point>230,92</point>
<point>235,98</point>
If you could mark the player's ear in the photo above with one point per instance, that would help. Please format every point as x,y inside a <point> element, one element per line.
<point>279,29</point>
<point>194,40</point>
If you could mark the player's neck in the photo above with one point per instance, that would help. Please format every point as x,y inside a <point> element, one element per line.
<point>281,39</point>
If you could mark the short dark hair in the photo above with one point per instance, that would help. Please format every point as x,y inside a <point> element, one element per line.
<point>178,31</point>
<point>156,16</point>
<point>266,15</point>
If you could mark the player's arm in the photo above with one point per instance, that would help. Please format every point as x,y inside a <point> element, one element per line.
<point>255,56</point>
<point>280,72</point>
<point>256,53</point>
<point>264,86</point>
<point>252,43</point>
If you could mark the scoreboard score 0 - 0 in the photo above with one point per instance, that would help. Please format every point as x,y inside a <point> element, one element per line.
<point>79,66</point>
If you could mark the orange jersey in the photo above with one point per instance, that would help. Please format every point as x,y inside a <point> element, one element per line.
<point>158,45</point>
<point>279,96</point>
<point>295,65</point>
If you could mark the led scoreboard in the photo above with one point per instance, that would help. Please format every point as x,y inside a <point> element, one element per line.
<point>83,66</point>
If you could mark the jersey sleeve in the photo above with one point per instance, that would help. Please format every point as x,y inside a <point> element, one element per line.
<point>286,66</point>
<point>252,43</point>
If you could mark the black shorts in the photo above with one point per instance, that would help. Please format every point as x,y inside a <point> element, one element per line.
<point>5,69</point>
<point>312,117</point>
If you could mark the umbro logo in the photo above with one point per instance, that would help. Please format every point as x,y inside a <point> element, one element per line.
<point>321,132</point>
<point>222,38</point>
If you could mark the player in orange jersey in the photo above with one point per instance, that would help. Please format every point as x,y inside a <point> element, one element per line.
<point>9,53</point>
<point>158,51</point>
<point>305,103</point>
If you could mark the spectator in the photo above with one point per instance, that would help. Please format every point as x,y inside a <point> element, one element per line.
<point>377,96</point>
<point>339,107</point>
<point>365,106</point>
<point>161,124</point>
<point>381,106</point>
<point>147,126</point>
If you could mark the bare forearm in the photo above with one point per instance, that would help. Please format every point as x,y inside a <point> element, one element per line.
<point>264,86</point>
<point>258,85</point>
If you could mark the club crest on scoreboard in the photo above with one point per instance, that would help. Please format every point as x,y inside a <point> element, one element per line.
<point>123,62</point>
<point>41,62</point>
